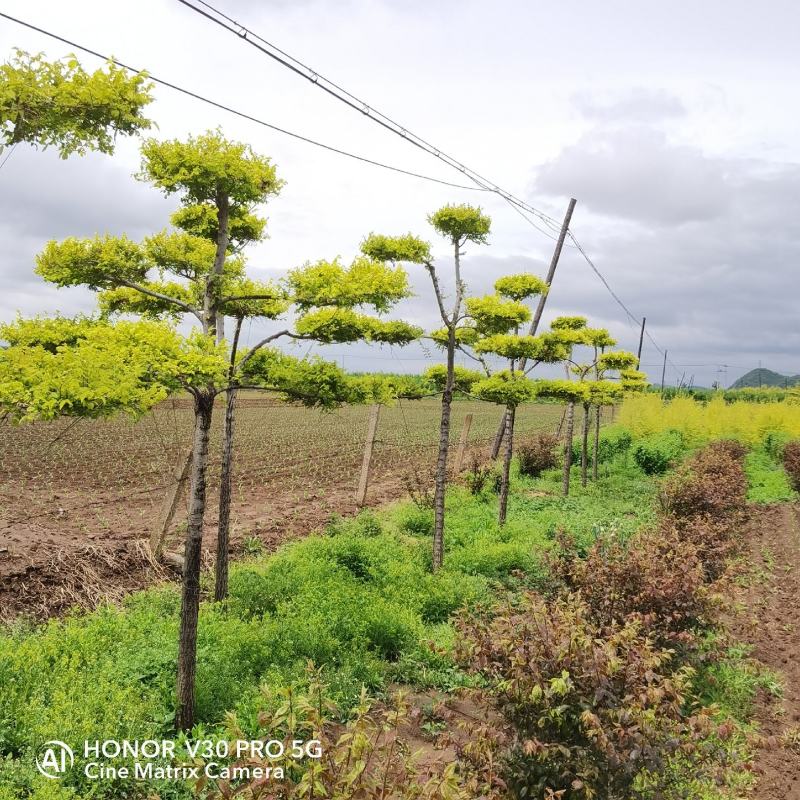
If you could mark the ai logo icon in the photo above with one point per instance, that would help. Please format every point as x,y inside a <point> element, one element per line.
<point>54,759</point>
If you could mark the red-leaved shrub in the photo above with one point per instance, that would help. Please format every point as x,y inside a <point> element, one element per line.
<point>712,482</point>
<point>656,578</point>
<point>791,463</point>
<point>589,708</point>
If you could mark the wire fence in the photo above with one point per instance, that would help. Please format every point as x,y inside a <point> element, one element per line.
<point>294,468</point>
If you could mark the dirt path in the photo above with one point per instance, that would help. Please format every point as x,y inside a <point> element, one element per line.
<point>770,622</point>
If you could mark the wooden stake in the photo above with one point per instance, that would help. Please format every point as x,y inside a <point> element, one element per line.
<point>170,505</point>
<point>369,445</point>
<point>462,444</point>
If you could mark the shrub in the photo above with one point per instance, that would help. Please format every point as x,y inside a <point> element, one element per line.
<point>538,455</point>
<point>366,757</point>
<point>656,578</point>
<point>712,483</point>
<point>478,475</point>
<point>791,463</point>
<point>715,540</point>
<point>614,440</point>
<point>774,442</point>
<point>416,521</point>
<point>655,454</point>
<point>589,710</point>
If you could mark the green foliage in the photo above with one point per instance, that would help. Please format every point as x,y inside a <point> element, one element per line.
<point>544,348</point>
<point>505,388</point>
<point>200,220</point>
<point>464,335</point>
<point>657,453</point>
<point>108,369</point>
<point>568,323</point>
<point>47,333</point>
<point>313,381</point>
<point>492,314</point>
<point>520,287</point>
<point>124,300</point>
<point>396,248</point>
<point>614,440</point>
<point>365,281</point>
<point>345,325</point>
<point>616,360</point>
<point>563,390</point>
<point>462,223</point>
<point>465,378</point>
<point>59,104</point>
<point>101,262</point>
<point>205,167</point>
<point>766,479</point>
<point>773,443</point>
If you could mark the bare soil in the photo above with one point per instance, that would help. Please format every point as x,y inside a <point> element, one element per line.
<point>79,498</point>
<point>770,622</point>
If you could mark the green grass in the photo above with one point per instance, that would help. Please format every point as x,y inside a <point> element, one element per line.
<point>358,600</point>
<point>766,478</point>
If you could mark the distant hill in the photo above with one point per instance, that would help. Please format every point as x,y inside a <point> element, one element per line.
<point>765,377</point>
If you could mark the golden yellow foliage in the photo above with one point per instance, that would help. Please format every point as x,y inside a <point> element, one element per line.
<point>716,419</point>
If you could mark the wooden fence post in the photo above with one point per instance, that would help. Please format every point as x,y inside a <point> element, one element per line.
<point>369,445</point>
<point>462,443</point>
<point>170,505</point>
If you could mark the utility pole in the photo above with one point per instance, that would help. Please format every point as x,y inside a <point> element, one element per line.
<point>664,371</point>
<point>641,339</point>
<point>759,373</point>
<point>498,439</point>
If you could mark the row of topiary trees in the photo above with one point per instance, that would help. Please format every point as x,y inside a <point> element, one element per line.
<point>131,355</point>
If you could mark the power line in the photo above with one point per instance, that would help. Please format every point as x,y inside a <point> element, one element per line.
<point>8,155</point>
<point>335,90</point>
<point>482,184</point>
<point>242,114</point>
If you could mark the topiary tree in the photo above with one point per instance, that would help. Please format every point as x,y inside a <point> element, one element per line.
<point>572,331</point>
<point>58,104</point>
<point>458,224</point>
<point>600,390</point>
<point>492,326</point>
<point>197,271</point>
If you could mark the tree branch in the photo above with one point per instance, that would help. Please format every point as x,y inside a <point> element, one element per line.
<point>266,341</point>
<point>438,292</point>
<point>174,300</point>
<point>233,297</point>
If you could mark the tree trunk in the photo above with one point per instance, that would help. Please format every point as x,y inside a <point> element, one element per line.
<point>596,456</point>
<point>506,481</point>
<point>570,425</point>
<point>441,464</point>
<point>226,477</point>
<point>585,446</point>
<point>190,590</point>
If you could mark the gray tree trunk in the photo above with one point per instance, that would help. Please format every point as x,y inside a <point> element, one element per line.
<point>506,480</point>
<point>596,456</point>
<point>585,446</point>
<point>441,463</point>
<point>570,426</point>
<point>226,479</point>
<point>190,589</point>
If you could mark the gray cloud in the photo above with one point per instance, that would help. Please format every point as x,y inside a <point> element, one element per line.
<point>636,174</point>
<point>637,105</point>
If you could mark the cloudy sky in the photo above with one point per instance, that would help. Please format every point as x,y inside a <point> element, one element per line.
<point>675,125</point>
